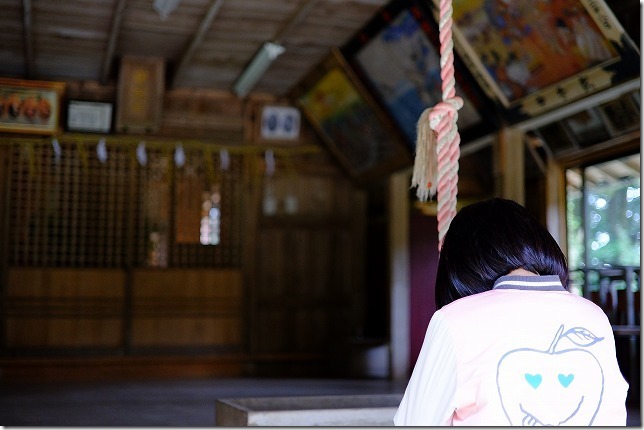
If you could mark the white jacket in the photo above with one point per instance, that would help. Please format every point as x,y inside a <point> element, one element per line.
<point>527,352</point>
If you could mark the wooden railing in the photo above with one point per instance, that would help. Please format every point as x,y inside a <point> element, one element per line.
<point>620,304</point>
<point>616,290</point>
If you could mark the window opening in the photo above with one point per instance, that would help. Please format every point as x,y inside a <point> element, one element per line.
<point>210,217</point>
<point>603,218</point>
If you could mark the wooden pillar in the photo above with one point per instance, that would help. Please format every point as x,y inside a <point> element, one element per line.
<point>556,203</point>
<point>5,226</point>
<point>399,280</point>
<point>511,168</point>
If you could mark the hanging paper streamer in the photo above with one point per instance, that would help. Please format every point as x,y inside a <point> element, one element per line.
<point>437,145</point>
<point>269,159</point>
<point>141,155</point>
<point>224,159</point>
<point>101,151</point>
<point>179,156</point>
<point>58,152</point>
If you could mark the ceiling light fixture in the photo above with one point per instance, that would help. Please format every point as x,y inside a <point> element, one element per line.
<point>165,7</point>
<point>256,68</point>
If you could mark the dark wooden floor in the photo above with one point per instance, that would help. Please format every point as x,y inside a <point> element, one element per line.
<point>167,403</point>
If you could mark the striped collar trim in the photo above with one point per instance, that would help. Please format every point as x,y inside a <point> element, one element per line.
<point>538,283</point>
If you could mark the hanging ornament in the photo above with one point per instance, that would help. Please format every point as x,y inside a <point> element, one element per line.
<point>179,156</point>
<point>141,155</point>
<point>57,150</point>
<point>101,150</point>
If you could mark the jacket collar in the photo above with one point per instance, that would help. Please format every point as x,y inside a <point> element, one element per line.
<point>537,283</point>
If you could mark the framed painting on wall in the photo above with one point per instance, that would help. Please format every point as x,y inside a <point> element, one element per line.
<point>30,106</point>
<point>397,55</point>
<point>349,121</point>
<point>535,56</point>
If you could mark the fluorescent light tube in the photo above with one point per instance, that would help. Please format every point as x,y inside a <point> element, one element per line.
<point>249,77</point>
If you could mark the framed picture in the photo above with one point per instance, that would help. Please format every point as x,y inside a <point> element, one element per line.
<point>397,55</point>
<point>534,56</point>
<point>30,106</point>
<point>350,122</point>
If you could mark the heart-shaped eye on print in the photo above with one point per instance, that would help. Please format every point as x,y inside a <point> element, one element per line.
<point>565,380</point>
<point>534,380</point>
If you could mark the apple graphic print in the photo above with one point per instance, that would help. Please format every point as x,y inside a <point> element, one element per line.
<point>555,386</point>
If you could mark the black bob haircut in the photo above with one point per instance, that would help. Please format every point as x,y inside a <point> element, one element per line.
<point>489,239</point>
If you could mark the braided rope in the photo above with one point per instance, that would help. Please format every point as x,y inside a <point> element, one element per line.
<point>442,120</point>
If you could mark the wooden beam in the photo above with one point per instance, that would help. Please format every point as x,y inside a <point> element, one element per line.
<point>196,40</point>
<point>565,111</point>
<point>117,18</point>
<point>532,144</point>
<point>512,167</point>
<point>295,20</point>
<point>27,29</point>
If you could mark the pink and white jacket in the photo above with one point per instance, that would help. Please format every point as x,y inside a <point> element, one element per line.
<point>527,352</point>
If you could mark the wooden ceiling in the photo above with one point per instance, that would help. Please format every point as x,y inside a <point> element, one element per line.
<point>205,43</point>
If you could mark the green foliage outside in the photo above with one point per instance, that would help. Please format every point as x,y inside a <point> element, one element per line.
<point>604,231</point>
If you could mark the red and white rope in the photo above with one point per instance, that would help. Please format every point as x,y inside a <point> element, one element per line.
<point>442,120</point>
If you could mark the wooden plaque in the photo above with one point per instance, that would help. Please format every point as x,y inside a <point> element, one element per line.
<point>140,95</point>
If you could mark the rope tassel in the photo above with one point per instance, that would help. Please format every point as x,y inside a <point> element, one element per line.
<point>425,163</point>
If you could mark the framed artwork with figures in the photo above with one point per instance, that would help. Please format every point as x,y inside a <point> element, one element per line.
<point>397,55</point>
<point>30,106</point>
<point>349,121</point>
<point>532,56</point>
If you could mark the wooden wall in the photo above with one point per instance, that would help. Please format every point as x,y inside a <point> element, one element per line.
<point>282,289</point>
<point>308,276</point>
<point>63,308</point>
<point>97,309</point>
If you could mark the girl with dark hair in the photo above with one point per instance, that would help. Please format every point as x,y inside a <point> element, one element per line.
<point>510,345</point>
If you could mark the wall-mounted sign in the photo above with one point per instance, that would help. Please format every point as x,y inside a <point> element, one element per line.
<point>89,116</point>
<point>280,123</point>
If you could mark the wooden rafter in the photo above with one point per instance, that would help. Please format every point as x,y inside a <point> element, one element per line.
<point>196,40</point>
<point>295,20</point>
<point>27,27</point>
<point>117,18</point>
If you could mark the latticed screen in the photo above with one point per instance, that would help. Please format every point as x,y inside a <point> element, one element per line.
<point>71,209</point>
